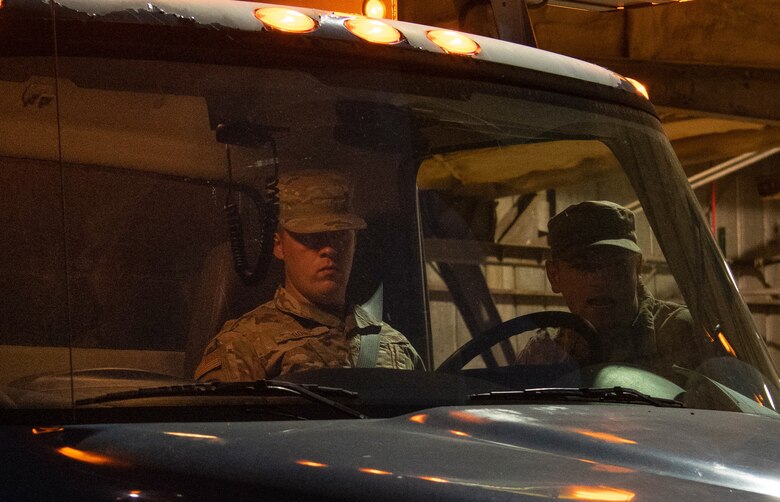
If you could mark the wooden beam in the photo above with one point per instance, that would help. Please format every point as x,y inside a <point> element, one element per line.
<point>733,91</point>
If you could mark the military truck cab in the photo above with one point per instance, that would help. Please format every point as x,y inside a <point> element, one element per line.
<point>127,129</point>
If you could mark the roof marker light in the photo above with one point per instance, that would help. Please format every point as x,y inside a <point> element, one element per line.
<point>373,31</point>
<point>639,86</point>
<point>287,20</point>
<point>453,42</point>
<point>374,8</point>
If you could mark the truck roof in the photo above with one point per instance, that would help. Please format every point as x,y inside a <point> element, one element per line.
<point>495,59</point>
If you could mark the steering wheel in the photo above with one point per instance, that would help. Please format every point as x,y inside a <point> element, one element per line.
<point>528,322</point>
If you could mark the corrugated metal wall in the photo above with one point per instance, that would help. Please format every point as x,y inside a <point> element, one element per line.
<point>748,229</point>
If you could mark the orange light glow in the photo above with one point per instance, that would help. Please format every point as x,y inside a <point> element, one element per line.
<point>460,433</point>
<point>288,20</point>
<point>419,419</point>
<point>726,344</point>
<point>603,493</point>
<point>640,87</point>
<point>453,42</point>
<point>604,436</point>
<point>465,416</point>
<point>84,456</point>
<point>46,430</point>
<point>433,479</point>
<point>374,8</point>
<point>614,469</point>
<point>309,463</point>
<point>193,436</point>
<point>759,399</point>
<point>374,471</point>
<point>373,31</point>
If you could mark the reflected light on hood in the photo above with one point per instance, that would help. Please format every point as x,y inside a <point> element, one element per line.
<point>469,417</point>
<point>419,419</point>
<point>310,463</point>
<point>85,456</point>
<point>769,397</point>
<point>604,436</point>
<point>193,436</point>
<point>604,493</point>
<point>726,344</point>
<point>433,479</point>
<point>614,469</point>
<point>460,433</point>
<point>374,471</point>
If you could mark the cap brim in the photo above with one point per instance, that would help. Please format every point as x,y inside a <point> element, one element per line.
<point>324,223</point>
<point>576,251</point>
<point>618,243</point>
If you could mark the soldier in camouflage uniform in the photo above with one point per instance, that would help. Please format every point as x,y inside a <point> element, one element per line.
<point>308,324</point>
<point>596,264</point>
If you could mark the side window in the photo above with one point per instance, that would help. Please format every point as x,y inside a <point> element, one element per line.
<point>486,241</point>
<point>33,276</point>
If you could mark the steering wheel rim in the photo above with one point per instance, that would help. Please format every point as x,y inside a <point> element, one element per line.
<point>521,324</point>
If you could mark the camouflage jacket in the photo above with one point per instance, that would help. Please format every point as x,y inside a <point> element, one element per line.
<point>662,335</point>
<point>286,336</point>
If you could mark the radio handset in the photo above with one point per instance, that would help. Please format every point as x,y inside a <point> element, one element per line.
<point>266,204</point>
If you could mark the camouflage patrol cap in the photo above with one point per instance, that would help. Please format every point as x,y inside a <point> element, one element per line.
<point>314,201</point>
<point>590,224</point>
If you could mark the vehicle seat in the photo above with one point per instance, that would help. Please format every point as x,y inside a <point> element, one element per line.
<point>218,296</point>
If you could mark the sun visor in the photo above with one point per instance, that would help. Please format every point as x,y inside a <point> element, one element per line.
<point>543,165</point>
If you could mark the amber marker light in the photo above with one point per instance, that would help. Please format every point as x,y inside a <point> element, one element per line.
<point>453,42</point>
<point>287,20</point>
<point>639,86</point>
<point>460,434</point>
<point>374,8</point>
<point>46,430</point>
<point>602,493</point>
<point>373,31</point>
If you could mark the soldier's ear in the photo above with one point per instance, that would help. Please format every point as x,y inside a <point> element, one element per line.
<point>553,275</point>
<point>278,247</point>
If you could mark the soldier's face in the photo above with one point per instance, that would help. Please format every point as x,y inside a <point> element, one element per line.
<point>317,266</point>
<point>601,287</point>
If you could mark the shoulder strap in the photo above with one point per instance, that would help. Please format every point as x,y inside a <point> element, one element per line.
<point>369,351</point>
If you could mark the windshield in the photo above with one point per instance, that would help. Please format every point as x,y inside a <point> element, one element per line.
<point>159,216</point>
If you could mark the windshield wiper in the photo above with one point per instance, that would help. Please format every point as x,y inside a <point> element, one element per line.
<point>263,388</point>
<point>607,395</point>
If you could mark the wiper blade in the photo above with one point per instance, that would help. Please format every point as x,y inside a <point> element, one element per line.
<point>264,388</point>
<point>607,395</point>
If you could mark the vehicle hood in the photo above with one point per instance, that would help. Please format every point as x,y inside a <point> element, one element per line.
<point>593,452</point>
